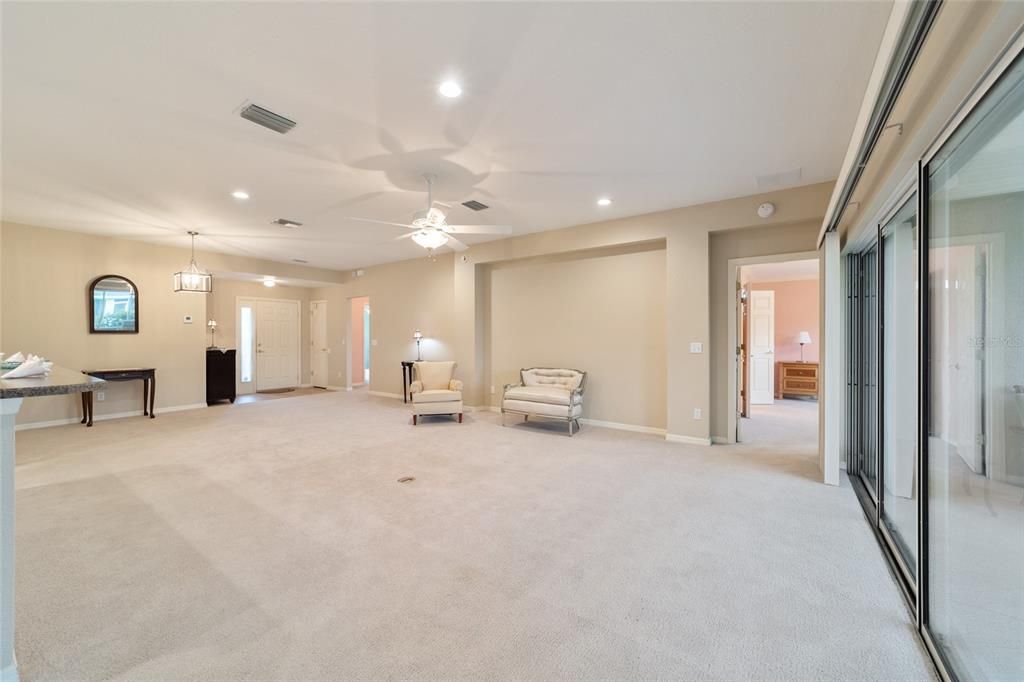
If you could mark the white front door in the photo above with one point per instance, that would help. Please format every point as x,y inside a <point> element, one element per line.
<point>277,344</point>
<point>318,343</point>
<point>761,314</point>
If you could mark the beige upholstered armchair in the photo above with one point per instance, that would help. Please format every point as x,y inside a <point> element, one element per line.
<point>434,391</point>
<point>546,392</point>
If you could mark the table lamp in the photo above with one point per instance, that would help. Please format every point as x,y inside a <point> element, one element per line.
<point>418,336</point>
<point>803,338</point>
<point>212,325</point>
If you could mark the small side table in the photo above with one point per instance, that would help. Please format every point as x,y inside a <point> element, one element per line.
<point>147,375</point>
<point>406,380</point>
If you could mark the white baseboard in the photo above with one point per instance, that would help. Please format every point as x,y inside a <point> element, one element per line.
<point>384,394</point>
<point>721,440</point>
<point>689,440</point>
<point>624,427</point>
<point>337,388</point>
<point>103,417</point>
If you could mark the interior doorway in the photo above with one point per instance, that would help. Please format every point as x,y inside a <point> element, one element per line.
<point>319,350</point>
<point>775,331</point>
<point>359,342</point>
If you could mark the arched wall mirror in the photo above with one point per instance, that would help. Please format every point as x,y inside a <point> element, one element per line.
<point>113,305</point>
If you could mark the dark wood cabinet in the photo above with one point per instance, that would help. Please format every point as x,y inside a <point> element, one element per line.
<point>220,375</point>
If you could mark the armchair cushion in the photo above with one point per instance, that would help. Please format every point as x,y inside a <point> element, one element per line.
<point>437,396</point>
<point>434,375</point>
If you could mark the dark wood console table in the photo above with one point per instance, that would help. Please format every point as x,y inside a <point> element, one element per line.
<point>406,380</point>
<point>147,375</point>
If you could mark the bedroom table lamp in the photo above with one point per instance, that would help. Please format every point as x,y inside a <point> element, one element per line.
<point>803,338</point>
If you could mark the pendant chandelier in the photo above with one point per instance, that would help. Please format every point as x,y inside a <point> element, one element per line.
<point>193,278</point>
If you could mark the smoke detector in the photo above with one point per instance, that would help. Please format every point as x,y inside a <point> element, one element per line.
<point>766,210</point>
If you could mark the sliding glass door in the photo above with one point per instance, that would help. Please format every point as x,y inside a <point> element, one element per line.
<point>975,405</point>
<point>899,331</point>
<point>936,387</point>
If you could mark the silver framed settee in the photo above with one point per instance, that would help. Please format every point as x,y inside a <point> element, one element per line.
<point>548,393</point>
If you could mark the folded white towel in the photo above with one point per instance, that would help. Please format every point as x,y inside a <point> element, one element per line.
<point>17,357</point>
<point>33,366</point>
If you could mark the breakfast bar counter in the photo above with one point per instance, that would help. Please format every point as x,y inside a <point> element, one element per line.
<point>60,381</point>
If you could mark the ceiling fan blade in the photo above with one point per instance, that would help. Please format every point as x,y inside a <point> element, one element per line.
<point>456,244</point>
<point>380,222</point>
<point>481,229</point>
<point>407,235</point>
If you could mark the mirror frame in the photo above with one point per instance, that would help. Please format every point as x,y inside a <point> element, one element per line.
<point>92,308</point>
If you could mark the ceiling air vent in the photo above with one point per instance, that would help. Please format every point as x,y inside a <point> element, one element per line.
<point>474,205</point>
<point>284,222</point>
<point>267,118</point>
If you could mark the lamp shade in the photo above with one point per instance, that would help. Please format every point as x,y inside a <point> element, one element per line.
<point>803,337</point>
<point>417,335</point>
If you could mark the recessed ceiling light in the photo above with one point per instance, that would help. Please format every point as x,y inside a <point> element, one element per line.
<point>450,89</point>
<point>240,194</point>
<point>269,282</point>
<point>604,201</point>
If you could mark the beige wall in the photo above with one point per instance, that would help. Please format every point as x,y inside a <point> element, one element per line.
<point>46,275</point>
<point>689,302</point>
<point>222,307</point>
<point>603,313</point>
<point>44,279</point>
<point>404,296</point>
<point>800,236</point>
<point>449,298</point>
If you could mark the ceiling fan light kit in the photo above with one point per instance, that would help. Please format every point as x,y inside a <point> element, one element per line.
<point>430,228</point>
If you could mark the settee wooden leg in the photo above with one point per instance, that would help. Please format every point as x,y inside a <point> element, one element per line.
<point>414,420</point>
<point>526,417</point>
<point>460,417</point>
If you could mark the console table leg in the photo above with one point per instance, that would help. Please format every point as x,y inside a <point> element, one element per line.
<point>85,411</point>
<point>152,396</point>
<point>145,397</point>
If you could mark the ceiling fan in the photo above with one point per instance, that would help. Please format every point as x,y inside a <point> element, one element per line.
<point>430,228</point>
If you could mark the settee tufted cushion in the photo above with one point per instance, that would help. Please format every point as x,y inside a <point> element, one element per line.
<point>567,379</point>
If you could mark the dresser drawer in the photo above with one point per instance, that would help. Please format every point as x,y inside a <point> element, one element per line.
<point>796,379</point>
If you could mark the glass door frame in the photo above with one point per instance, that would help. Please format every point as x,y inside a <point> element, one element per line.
<point>873,501</point>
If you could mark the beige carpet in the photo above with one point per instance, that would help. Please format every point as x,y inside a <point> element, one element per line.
<point>272,541</point>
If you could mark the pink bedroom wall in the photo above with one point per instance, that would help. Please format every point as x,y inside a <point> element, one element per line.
<point>796,310</point>
<point>356,339</point>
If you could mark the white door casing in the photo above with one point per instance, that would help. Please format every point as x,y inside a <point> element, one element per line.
<point>761,312</point>
<point>277,345</point>
<point>319,351</point>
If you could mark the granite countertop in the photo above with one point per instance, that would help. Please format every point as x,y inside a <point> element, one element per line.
<point>60,381</point>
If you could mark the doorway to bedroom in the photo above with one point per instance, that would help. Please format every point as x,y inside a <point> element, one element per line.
<point>359,342</point>
<point>777,368</point>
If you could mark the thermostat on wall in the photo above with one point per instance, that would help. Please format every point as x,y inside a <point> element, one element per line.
<point>188,319</point>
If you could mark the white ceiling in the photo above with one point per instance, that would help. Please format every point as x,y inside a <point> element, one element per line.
<point>786,271</point>
<point>121,118</point>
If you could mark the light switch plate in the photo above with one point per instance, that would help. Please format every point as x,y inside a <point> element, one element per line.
<point>188,319</point>
<point>698,413</point>
<point>696,347</point>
